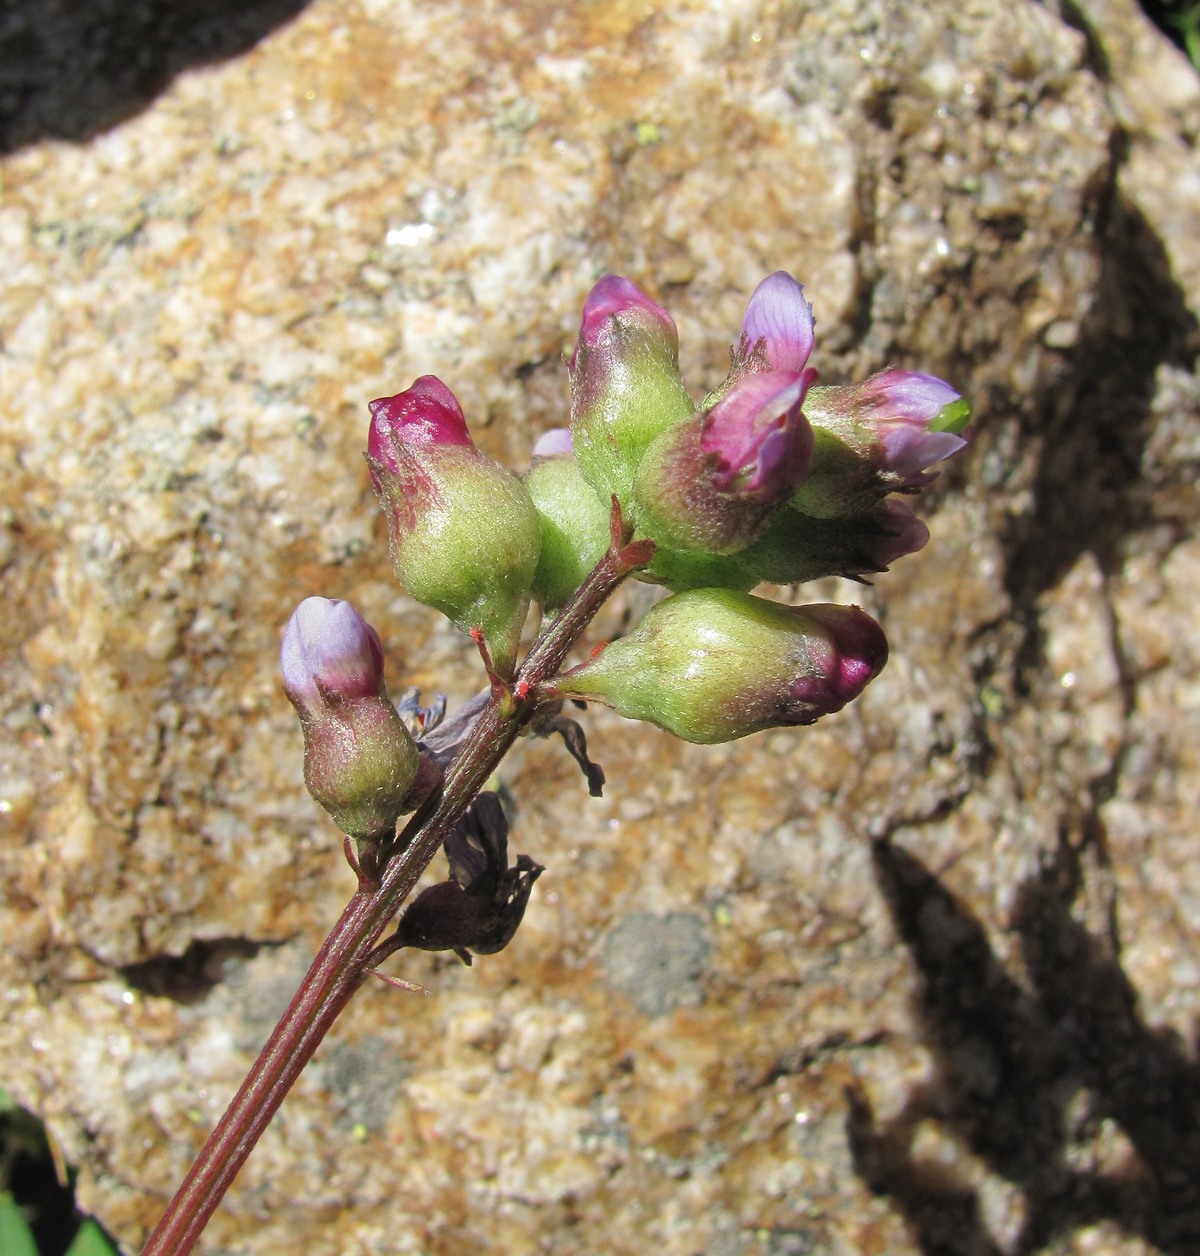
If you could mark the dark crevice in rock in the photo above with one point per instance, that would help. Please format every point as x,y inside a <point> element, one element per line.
<point>188,978</point>
<point>799,1059</point>
<point>1034,1081</point>
<point>1096,59</point>
<point>70,70</point>
<point>28,1172</point>
<point>1089,491</point>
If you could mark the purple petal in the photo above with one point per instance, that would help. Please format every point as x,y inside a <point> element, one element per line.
<point>782,319</point>
<point>759,435</point>
<point>910,449</point>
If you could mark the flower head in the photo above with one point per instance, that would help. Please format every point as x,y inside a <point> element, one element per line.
<point>879,437</point>
<point>757,436</point>
<point>711,482</point>
<point>917,419</point>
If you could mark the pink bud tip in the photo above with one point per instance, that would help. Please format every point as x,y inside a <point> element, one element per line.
<point>780,317</point>
<point>329,652</point>
<point>614,296</point>
<point>424,415</point>
<point>762,442</point>
<point>855,653</point>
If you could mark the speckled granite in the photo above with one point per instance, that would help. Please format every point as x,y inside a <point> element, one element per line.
<point>924,978</point>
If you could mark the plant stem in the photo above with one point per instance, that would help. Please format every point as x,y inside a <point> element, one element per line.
<point>345,961</point>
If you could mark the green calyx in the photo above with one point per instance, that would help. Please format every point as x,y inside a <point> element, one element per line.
<point>684,569</point>
<point>843,481</point>
<point>574,527</point>
<point>359,764</point>
<point>625,392</point>
<point>471,549</point>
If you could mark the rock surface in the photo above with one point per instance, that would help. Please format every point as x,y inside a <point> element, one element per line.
<point>938,967</point>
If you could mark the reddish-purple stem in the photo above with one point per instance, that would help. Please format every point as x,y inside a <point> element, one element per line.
<point>345,960</point>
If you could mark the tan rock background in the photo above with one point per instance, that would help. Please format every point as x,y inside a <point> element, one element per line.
<point>923,979</point>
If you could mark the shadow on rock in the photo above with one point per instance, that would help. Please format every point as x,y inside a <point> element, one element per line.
<point>1035,1082</point>
<point>1091,487</point>
<point>69,70</point>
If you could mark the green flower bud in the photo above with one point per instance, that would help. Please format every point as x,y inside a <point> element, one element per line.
<point>574,522</point>
<point>464,533</point>
<point>797,547</point>
<point>360,761</point>
<point>625,384</point>
<point>712,665</point>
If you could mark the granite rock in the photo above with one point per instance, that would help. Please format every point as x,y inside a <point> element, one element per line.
<point>943,949</point>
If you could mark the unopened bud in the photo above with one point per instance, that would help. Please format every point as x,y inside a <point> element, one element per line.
<point>797,547</point>
<point>712,665</point>
<point>574,523</point>
<point>625,384</point>
<point>360,761</point>
<point>464,534</point>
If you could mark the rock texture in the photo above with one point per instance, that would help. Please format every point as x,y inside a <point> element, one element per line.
<point>922,979</point>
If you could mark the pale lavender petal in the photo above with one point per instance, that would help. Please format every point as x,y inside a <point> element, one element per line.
<point>553,443</point>
<point>329,649</point>
<point>782,319</point>
<point>909,448</point>
<point>909,395</point>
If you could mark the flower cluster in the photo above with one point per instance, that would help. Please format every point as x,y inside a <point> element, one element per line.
<point>770,479</point>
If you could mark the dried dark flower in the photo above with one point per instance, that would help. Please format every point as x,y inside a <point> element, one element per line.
<point>483,903</point>
<point>550,720</point>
